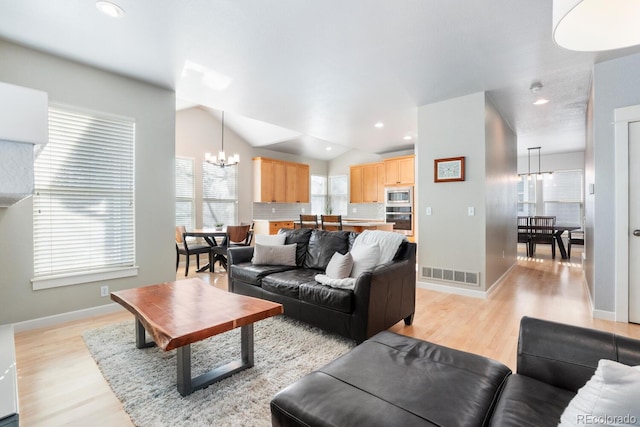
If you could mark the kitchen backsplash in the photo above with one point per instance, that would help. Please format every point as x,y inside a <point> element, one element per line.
<point>293,210</point>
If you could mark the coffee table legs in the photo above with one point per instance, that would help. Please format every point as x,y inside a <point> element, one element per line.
<point>187,385</point>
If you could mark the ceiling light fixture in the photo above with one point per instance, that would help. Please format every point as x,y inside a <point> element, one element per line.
<point>109,8</point>
<point>222,159</point>
<point>535,87</point>
<point>379,125</point>
<point>540,101</point>
<point>539,175</point>
<point>407,138</point>
<point>596,25</point>
<point>328,148</point>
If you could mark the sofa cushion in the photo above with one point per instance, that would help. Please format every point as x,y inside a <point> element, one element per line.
<point>527,402</point>
<point>274,255</point>
<point>253,274</point>
<point>322,245</point>
<point>391,379</point>
<point>287,282</point>
<point>299,236</point>
<point>325,296</point>
<point>340,265</point>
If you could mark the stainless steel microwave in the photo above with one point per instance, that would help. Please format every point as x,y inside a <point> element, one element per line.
<point>398,195</point>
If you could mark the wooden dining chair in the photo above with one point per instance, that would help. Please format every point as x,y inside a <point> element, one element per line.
<point>236,235</point>
<point>187,248</point>
<point>543,230</point>
<point>308,221</point>
<point>524,232</point>
<point>576,237</point>
<point>331,222</point>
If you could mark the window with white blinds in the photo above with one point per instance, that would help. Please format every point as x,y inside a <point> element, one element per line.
<point>338,194</point>
<point>83,220</point>
<point>318,194</point>
<point>185,190</point>
<point>219,195</point>
<point>563,196</point>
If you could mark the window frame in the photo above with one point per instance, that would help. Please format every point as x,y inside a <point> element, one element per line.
<point>192,199</point>
<point>62,119</point>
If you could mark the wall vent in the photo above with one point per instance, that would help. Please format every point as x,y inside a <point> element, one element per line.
<point>449,275</point>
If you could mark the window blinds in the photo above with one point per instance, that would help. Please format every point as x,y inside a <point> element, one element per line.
<point>220,196</point>
<point>83,218</point>
<point>184,192</point>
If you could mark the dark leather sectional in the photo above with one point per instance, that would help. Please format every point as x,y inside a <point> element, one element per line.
<point>393,380</point>
<point>380,299</point>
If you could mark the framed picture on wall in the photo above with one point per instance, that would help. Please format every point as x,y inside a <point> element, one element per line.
<point>449,169</point>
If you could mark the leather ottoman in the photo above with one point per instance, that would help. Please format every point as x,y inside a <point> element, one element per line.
<point>390,380</point>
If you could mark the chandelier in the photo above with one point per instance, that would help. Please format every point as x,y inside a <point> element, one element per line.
<point>222,160</point>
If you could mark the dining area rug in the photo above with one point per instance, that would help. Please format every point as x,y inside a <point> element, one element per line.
<point>145,379</point>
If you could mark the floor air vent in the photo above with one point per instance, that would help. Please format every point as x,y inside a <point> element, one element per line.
<point>464,277</point>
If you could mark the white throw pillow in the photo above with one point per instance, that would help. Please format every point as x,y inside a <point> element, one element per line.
<point>339,266</point>
<point>610,397</point>
<point>365,258</point>
<point>388,241</point>
<point>273,239</point>
<point>274,255</point>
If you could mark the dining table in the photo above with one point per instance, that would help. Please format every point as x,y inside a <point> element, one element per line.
<point>558,231</point>
<point>211,237</point>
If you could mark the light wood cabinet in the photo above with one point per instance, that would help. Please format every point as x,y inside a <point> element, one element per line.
<point>399,170</point>
<point>265,226</point>
<point>367,183</point>
<point>279,181</point>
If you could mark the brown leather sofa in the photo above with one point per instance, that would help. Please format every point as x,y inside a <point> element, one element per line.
<point>380,298</point>
<point>394,380</point>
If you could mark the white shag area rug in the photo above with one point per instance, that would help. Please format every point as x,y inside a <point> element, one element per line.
<point>145,379</point>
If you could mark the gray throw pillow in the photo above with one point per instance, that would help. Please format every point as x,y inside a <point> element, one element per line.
<point>339,266</point>
<point>274,255</point>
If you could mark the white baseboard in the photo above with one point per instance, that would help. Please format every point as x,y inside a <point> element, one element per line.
<point>452,290</point>
<point>56,319</point>
<point>604,315</point>
<point>494,287</point>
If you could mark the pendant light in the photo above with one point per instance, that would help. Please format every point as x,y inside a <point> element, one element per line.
<point>222,160</point>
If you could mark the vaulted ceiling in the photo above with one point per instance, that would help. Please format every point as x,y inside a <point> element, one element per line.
<point>323,73</point>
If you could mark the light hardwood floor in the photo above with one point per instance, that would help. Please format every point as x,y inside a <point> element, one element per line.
<point>60,385</point>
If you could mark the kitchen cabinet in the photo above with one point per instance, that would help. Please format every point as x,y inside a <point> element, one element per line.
<point>367,183</point>
<point>265,226</point>
<point>279,181</point>
<point>399,170</point>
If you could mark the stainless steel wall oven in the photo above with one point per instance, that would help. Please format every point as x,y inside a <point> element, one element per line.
<point>399,209</point>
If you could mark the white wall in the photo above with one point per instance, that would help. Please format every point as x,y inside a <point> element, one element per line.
<point>198,132</point>
<point>501,181</point>
<point>449,238</point>
<point>468,126</point>
<point>153,108</point>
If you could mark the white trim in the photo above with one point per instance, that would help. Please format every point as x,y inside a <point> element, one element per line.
<point>452,290</point>
<point>494,287</point>
<point>94,276</point>
<point>604,315</point>
<point>56,319</point>
<point>623,116</point>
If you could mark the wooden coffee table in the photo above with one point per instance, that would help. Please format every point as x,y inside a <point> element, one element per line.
<point>179,313</point>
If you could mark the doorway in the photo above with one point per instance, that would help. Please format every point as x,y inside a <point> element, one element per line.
<point>627,216</point>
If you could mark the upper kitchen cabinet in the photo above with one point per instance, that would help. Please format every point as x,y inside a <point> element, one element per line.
<point>279,181</point>
<point>399,170</point>
<point>367,183</point>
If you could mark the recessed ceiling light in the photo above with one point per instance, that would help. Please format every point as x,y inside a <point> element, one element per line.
<point>108,8</point>
<point>407,138</point>
<point>540,101</point>
<point>328,148</point>
<point>379,125</point>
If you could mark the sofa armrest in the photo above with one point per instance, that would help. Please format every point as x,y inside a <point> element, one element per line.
<point>385,296</point>
<point>566,356</point>
<point>239,254</point>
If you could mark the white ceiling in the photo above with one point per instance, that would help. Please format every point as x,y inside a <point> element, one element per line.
<point>323,72</point>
